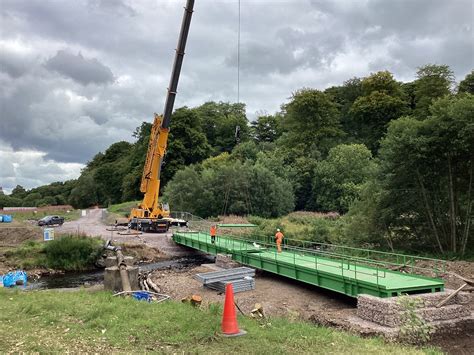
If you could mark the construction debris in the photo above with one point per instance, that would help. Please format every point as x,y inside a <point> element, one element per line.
<point>443,302</point>
<point>194,300</point>
<point>152,296</point>
<point>240,285</point>
<point>241,279</point>
<point>130,232</point>
<point>116,228</point>
<point>257,311</point>
<point>152,285</point>
<point>225,275</point>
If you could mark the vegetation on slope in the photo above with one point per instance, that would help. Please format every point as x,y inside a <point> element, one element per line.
<point>68,253</point>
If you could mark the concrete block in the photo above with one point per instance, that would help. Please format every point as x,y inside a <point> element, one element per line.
<point>113,282</point>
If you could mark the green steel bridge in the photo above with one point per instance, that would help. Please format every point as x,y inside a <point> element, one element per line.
<point>351,271</point>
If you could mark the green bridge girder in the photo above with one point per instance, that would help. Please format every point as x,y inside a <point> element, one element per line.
<point>345,274</point>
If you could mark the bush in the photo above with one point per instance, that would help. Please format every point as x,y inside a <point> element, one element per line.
<point>413,329</point>
<point>301,226</point>
<point>73,253</point>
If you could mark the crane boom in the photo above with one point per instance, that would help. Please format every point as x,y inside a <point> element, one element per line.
<point>148,216</point>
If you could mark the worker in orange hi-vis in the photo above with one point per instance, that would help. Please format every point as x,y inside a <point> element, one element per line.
<point>213,233</point>
<point>279,238</point>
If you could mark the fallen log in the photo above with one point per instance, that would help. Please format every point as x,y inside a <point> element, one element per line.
<point>152,285</point>
<point>450,296</point>
<point>465,279</point>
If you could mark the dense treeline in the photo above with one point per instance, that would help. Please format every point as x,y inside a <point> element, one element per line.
<point>396,159</point>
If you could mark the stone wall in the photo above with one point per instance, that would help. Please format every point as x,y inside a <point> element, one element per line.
<point>387,311</point>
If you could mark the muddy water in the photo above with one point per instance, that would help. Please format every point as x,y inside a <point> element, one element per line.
<point>88,278</point>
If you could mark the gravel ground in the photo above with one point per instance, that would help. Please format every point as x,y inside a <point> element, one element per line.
<point>92,225</point>
<point>279,296</point>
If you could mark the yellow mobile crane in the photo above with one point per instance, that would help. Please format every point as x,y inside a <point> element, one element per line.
<point>151,215</point>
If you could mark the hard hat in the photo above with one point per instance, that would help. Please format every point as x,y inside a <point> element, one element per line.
<point>278,229</point>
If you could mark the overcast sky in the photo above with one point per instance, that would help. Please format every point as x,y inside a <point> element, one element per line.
<point>76,76</point>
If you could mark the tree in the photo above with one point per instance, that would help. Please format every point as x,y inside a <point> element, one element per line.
<point>247,151</point>
<point>85,193</point>
<point>381,102</point>
<point>339,178</point>
<point>344,96</point>
<point>433,81</point>
<point>32,199</point>
<point>109,174</point>
<point>219,121</point>
<point>136,161</point>
<point>187,143</point>
<point>372,114</point>
<point>18,192</point>
<point>467,85</point>
<point>229,187</point>
<point>311,122</point>
<point>427,174</point>
<point>5,201</point>
<point>382,82</point>
<point>46,201</point>
<point>266,128</point>
<point>291,165</point>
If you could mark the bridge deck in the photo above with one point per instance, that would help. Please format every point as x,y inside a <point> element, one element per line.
<point>345,274</point>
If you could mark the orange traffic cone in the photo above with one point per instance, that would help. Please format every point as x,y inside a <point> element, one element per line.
<point>230,327</point>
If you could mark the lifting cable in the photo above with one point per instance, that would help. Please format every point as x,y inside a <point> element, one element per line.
<point>238,60</point>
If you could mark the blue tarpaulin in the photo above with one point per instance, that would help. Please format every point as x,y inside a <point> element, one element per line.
<point>6,218</point>
<point>14,278</point>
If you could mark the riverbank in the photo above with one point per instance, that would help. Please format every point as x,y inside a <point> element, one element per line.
<point>49,321</point>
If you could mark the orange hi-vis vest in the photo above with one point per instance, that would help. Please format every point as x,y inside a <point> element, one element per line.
<point>279,237</point>
<point>213,231</point>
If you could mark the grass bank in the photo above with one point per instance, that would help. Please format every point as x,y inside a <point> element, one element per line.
<point>308,226</point>
<point>23,216</point>
<point>49,321</point>
<point>69,253</point>
<point>120,211</point>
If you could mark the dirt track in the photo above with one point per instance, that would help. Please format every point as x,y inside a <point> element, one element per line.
<point>92,225</point>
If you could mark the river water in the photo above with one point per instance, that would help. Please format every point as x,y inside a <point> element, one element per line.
<point>89,278</point>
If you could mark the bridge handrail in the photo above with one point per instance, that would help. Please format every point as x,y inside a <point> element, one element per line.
<point>404,257</point>
<point>402,260</point>
<point>344,264</point>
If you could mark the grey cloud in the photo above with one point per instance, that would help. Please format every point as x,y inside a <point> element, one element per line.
<point>262,59</point>
<point>82,70</point>
<point>129,46</point>
<point>14,64</point>
<point>32,169</point>
<point>116,6</point>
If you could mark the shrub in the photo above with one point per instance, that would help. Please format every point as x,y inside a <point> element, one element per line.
<point>73,252</point>
<point>413,329</point>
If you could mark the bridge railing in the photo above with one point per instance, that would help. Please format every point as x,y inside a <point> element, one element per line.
<point>378,260</point>
<point>394,261</point>
<point>342,266</point>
